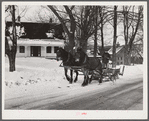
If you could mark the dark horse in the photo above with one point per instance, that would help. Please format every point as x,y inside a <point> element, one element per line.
<point>89,65</point>
<point>67,60</point>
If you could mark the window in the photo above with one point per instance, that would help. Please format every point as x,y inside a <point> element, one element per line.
<point>117,63</point>
<point>121,58</point>
<point>22,49</point>
<point>118,58</point>
<point>55,49</point>
<point>121,62</point>
<point>48,49</point>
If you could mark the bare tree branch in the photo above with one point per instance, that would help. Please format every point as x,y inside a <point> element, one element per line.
<point>61,20</point>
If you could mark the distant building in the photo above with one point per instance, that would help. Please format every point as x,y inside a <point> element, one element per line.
<point>136,54</point>
<point>119,55</point>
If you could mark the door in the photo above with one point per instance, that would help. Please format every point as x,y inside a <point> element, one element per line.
<point>35,51</point>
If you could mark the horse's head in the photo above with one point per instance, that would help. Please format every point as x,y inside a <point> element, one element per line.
<point>80,56</point>
<point>63,55</point>
<point>59,54</point>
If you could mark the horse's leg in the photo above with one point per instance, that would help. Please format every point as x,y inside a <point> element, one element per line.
<point>86,78</point>
<point>67,77</point>
<point>87,81</point>
<point>84,82</point>
<point>87,74</point>
<point>100,80</point>
<point>83,70</point>
<point>71,74</point>
<point>76,79</point>
<point>90,80</point>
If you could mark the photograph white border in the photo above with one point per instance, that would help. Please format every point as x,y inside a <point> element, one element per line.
<point>71,114</point>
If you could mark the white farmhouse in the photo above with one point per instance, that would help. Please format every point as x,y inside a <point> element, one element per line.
<point>38,47</point>
<point>34,40</point>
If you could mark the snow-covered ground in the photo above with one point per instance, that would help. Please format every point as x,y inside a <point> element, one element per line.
<point>37,76</point>
<point>39,83</point>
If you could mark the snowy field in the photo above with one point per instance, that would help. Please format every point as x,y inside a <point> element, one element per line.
<point>37,76</point>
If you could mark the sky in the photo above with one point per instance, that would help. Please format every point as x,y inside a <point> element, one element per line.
<point>30,12</point>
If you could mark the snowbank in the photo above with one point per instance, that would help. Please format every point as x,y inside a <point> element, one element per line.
<point>39,76</point>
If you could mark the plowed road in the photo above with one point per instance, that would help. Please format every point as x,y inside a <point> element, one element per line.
<point>125,96</point>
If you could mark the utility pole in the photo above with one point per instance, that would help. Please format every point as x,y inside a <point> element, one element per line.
<point>114,37</point>
<point>95,35</point>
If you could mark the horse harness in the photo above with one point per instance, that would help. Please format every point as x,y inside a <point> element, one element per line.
<point>85,61</point>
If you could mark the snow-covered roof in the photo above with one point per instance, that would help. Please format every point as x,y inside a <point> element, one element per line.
<point>41,42</point>
<point>117,49</point>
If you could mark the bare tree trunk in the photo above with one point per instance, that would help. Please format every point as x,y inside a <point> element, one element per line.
<point>101,31</point>
<point>114,37</point>
<point>83,41</point>
<point>11,49</point>
<point>71,43</point>
<point>127,58</point>
<point>95,44</point>
<point>102,40</point>
<point>14,38</point>
<point>95,35</point>
<point>83,44</point>
<point>11,58</point>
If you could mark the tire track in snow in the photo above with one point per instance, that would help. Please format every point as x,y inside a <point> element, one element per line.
<point>72,101</point>
<point>92,101</point>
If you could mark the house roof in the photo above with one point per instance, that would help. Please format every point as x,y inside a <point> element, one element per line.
<point>41,42</point>
<point>36,30</point>
<point>33,22</point>
<point>118,49</point>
